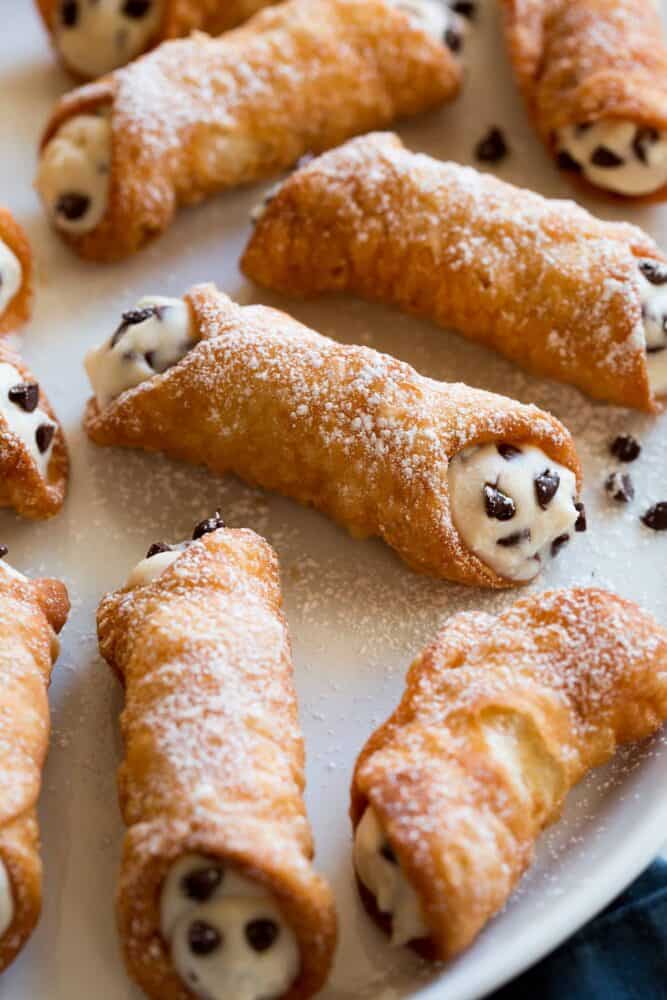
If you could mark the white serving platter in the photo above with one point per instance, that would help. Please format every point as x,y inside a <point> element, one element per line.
<point>357,615</point>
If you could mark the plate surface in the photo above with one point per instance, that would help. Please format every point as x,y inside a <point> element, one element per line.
<point>357,616</point>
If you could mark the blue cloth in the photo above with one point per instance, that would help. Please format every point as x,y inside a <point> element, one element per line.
<point>620,955</point>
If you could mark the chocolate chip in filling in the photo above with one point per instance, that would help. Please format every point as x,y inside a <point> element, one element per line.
<point>497,504</point>
<point>565,161</point>
<point>136,9</point>
<point>202,883</point>
<point>581,523</point>
<point>510,541</point>
<point>558,544</point>
<point>508,451</point>
<point>135,316</point>
<point>387,853</point>
<point>25,395</point>
<point>156,548</point>
<point>654,271</point>
<point>656,516</point>
<point>645,137</point>
<point>604,157</point>
<point>203,938</point>
<point>546,488</point>
<point>453,39</point>
<point>619,486</point>
<point>492,148</point>
<point>44,436</point>
<point>625,448</point>
<point>261,933</point>
<point>208,525</point>
<point>69,14</point>
<point>466,8</point>
<point>72,205</point>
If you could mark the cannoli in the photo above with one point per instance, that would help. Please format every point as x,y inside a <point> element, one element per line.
<point>501,716</point>
<point>15,274</point>
<point>559,292</point>
<point>32,612</point>
<point>201,115</point>
<point>34,465</point>
<point>463,484</point>
<point>593,74</point>
<point>217,896</point>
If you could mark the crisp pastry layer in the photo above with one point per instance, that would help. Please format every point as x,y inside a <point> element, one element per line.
<point>34,464</point>
<point>15,274</point>
<point>501,716</point>
<point>32,612</point>
<point>594,77</point>
<point>217,895</point>
<point>445,474</point>
<point>201,115</point>
<point>542,281</point>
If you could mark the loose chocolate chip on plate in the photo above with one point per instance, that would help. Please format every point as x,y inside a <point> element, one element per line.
<point>202,883</point>
<point>261,933</point>
<point>3,551</point>
<point>645,137</point>
<point>387,853</point>
<point>580,524</point>
<point>625,448</point>
<point>453,39</point>
<point>654,271</point>
<point>656,516</point>
<point>566,162</point>
<point>136,9</point>
<point>619,487</point>
<point>69,13</point>
<point>156,548</point>
<point>605,157</point>
<point>510,541</point>
<point>508,451</point>
<point>208,525</point>
<point>558,544</point>
<point>492,148</point>
<point>203,938</point>
<point>546,487</point>
<point>25,395</point>
<point>44,436</point>
<point>466,8</point>
<point>497,504</point>
<point>72,205</point>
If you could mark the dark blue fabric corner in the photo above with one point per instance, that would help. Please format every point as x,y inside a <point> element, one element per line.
<point>620,955</point>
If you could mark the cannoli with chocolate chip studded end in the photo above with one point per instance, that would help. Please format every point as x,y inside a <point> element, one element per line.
<point>541,281</point>
<point>501,717</point>
<point>32,612</point>
<point>217,895</point>
<point>593,74</point>
<point>463,484</point>
<point>34,465</point>
<point>15,274</point>
<point>201,115</point>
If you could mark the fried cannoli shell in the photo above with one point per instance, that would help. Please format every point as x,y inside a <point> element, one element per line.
<point>212,618</point>
<point>22,485</point>
<point>32,612</point>
<point>578,672</point>
<point>540,281</point>
<point>584,61</point>
<point>280,406</point>
<point>19,308</point>
<point>187,123</point>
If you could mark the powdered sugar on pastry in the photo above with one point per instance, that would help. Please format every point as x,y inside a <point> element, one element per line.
<point>96,37</point>
<point>25,418</point>
<point>11,275</point>
<point>620,156</point>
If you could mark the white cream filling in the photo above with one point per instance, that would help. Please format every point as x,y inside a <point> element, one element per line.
<point>96,36</point>
<point>6,900</point>
<point>11,275</point>
<point>152,567</point>
<point>35,428</point>
<point>654,313</point>
<point>642,153</point>
<point>228,938</point>
<point>385,879</point>
<point>73,173</point>
<point>152,337</point>
<point>516,546</point>
<point>436,19</point>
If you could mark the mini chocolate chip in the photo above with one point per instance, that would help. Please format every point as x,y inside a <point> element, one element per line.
<point>645,136</point>
<point>605,157</point>
<point>546,488</point>
<point>508,451</point>
<point>509,541</point>
<point>581,523</point>
<point>72,205</point>
<point>656,350</point>
<point>132,318</point>
<point>44,436</point>
<point>466,8</point>
<point>136,9</point>
<point>149,358</point>
<point>387,853</point>
<point>625,448</point>
<point>492,148</point>
<point>202,883</point>
<point>203,938</point>
<point>656,516</point>
<point>582,127</point>
<point>453,39</point>
<point>654,271</point>
<point>156,548</point>
<point>497,504</point>
<point>3,551</point>
<point>558,544</point>
<point>25,395</point>
<point>564,161</point>
<point>261,933</point>
<point>69,13</point>
<point>208,525</point>
<point>619,487</point>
